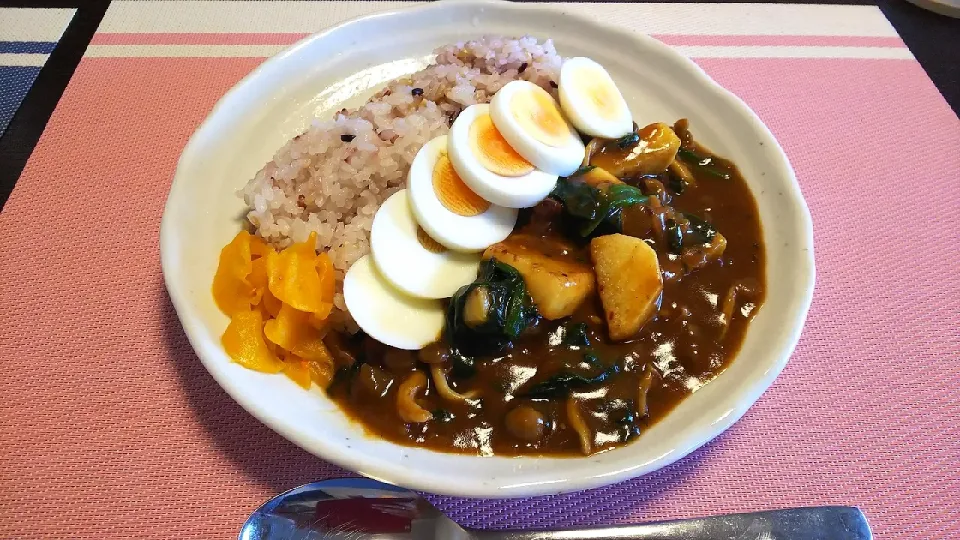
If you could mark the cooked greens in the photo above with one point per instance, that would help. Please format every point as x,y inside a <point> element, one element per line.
<point>628,422</point>
<point>701,231</point>
<point>592,206</point>
<point>442,415</point>
<point>464,367</point>
<point>575,335</point>
<point>583,170</point>
<point>500,291</point>
<point>552,349</point>
<point>562,384</point>
<point>674,236</point>
<point>703,163</point>
<point>697,232</point>
<point>628,140</point>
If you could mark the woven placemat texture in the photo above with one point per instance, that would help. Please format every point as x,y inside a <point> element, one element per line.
<point>27,37</point>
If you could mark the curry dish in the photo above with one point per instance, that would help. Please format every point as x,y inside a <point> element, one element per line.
<point>542,277</point>
<point>577,337</point>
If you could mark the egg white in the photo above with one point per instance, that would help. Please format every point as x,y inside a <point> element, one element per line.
<point>404,261</point>
<point>518,192</point>
<point>386,314</point>
<point>579,78</point>
<point>560,160</point>
<point>462,233</point>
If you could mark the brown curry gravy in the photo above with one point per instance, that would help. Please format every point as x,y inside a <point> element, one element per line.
<point>684,344</point>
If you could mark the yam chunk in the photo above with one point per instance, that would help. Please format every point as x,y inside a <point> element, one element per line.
<point>654,149</point>
<point>557,282</point>
<point>629,281</point>
<point>599,176</point>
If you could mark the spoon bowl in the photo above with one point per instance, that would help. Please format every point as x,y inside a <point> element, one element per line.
<point>360,508</point>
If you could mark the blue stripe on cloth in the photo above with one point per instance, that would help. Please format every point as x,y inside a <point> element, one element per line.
<point>15,82</point>
<point>43,47</point>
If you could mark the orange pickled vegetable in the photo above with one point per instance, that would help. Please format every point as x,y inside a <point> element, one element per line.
<point>258,279</point>
<point>320,323</point>
<point>232,290</point>
<point>258,248</point>
<point>244,342</point>
<point>301,278</point>
<point>321,372</point>
<point>270,305</point>
<point>328,284</point>
<point>298,370</point>
<point>278,304</point>
<point>292,332</point>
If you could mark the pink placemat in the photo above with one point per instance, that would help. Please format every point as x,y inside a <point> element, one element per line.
<point>111,428</point>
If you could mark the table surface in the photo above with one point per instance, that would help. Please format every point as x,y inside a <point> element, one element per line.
<point>111,428</point>
<point>932,39</point>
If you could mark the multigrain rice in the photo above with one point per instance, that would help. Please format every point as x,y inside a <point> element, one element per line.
<point>332,178</point>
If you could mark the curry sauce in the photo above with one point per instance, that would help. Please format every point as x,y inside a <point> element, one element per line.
<point>563,387</point>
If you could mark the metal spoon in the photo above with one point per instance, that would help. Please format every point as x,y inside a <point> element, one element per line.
<point>359,508</point>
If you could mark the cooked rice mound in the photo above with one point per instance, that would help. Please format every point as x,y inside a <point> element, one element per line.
<point>332,178</point>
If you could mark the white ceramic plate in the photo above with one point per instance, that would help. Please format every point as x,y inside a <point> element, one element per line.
<point>345,65</point>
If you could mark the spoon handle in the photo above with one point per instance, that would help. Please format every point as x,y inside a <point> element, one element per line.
<point>819,523</point>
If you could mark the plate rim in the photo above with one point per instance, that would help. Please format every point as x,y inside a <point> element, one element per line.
<point>498,488</point>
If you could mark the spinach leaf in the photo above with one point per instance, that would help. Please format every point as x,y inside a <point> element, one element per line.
<point>346,374</point>
<point>575,335</point>
<point>674,237</point>
<point>697,232</point>
<point>592,359</point>
<point>578,198</point>
<point>508,312</point>
<point>628,140</point>
<point>442,415</point>
<point>700,229</point>
<point>592,206</point>
<point>464,367</point>
<point>716,172</point>
<point>628,423</point>
<point>562,384</point>
<point>583,170</point>
<point>690,156</point>
<point>676,184</point>
<point>703,163</point>
<point>613,197</point>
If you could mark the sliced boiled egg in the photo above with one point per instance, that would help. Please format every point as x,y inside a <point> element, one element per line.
<point>592,101</point>
<point>447,209</point>
<point>410,259</point>
<point>386,314</point>
<point>490,166</point>
<point>532,123</point>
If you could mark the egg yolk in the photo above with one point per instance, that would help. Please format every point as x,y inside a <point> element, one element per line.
<point>540,117</point>
<point>494,152</point>
<point>428,242</point>
<point>603,98</point>
<point>453,194</point>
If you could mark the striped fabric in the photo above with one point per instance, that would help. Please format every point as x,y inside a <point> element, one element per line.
<point>262,29</point>
<point>111,427</point>
<point>27,37</point>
